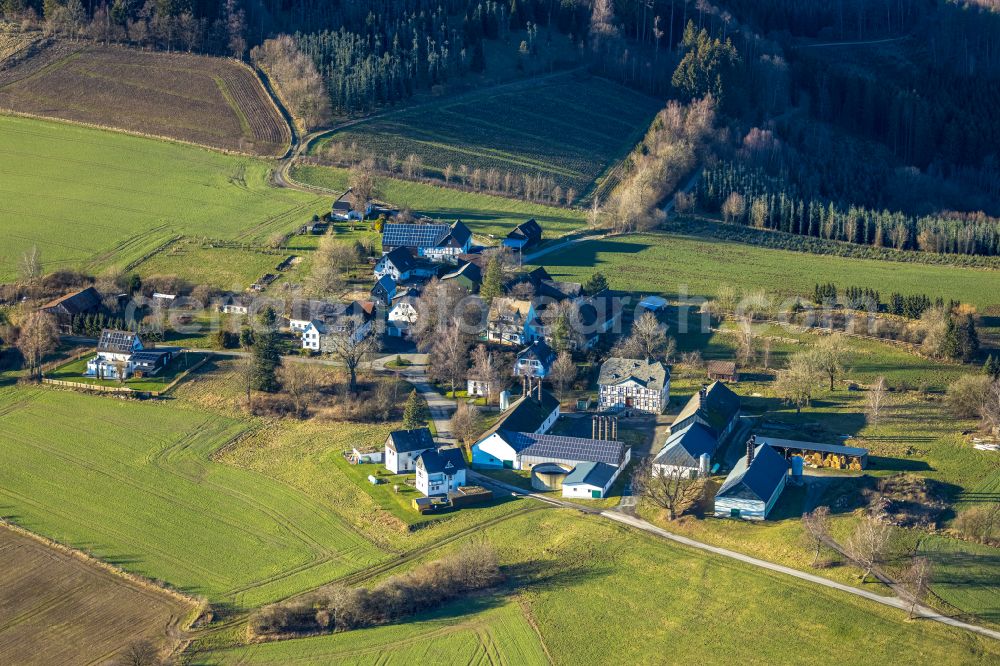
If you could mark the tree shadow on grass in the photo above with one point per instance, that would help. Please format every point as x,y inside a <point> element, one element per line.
<point>585,254</point>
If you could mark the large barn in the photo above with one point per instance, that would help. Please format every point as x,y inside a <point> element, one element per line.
<point>754,485</point>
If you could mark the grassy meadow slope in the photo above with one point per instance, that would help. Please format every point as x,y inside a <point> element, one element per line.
<point>597,592</point>
<point>485,214</point>
<point>135,484</point>
<point>215,102</point>
<point>93,199</point>
<point>663,262</point>
<point>562,129</point>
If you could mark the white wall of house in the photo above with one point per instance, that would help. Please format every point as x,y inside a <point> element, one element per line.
<point>299,325</point>
<point>477,387</point>
<point>494,452</point>
<point>531,367</point>
<point>438,483</point>
<point>401,463</point>
<point>385,267</point>
<point>748,509</point>
<point>582,491</point>
<point>635,396</point>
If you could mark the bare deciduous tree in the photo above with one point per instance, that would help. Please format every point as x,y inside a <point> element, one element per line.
<point>331,262</point>
<point>917,581</point>
<point>797,382</point>
<point>31,265</point>
<point>346,343</point>
<point>832,355</point>
<point>670,489</point>
<point>816,524</point>
<point>563,372</point>
<point>139,653</point>
<point>299,381</point>
<point>449,357</point>
<point>363,184</point>
<point>486,369</point>
<point>648,339</point>
<point>876,399</point>
<point>38,337</point>
<point>868,545</point>
<point>466,423</point>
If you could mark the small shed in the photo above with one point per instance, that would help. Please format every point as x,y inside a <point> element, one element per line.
<point>724,371</point>
<point>816,454</point>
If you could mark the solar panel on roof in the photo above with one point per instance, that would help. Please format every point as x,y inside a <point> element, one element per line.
<point>414,235</point>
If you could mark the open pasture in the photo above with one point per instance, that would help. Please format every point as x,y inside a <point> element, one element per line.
<point>484,214</point>
<point>92,200</point>
<point>136,485</point>
<point>60,609</point>
<point>568,129</point>
<point>596,592</point>
<point>210,101</point>
<point>664,263</point>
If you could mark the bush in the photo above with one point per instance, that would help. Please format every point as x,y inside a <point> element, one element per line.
<point>474,567</point>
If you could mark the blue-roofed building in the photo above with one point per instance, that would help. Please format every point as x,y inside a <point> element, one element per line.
<point>590,480</point>
<point>682,452</point>
<point>440,471</point>
<point>384,291</point>
<point>754,485</point>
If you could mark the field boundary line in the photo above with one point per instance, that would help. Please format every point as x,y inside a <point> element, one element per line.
<point>132,265</point>
<point>142,135</point>
<point>147,584</point>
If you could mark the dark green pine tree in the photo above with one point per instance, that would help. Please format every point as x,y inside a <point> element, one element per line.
<point>415,413</point>
<point>266,357</point>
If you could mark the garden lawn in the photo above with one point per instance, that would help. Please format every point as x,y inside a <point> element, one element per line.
<point>667,263</point>
<point>74,370</point>
<point>92,199</point>
<point>135,484</point>
<point>484,214</point>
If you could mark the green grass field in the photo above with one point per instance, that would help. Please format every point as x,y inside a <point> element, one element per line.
<point>597,592</point>
<point>135,484</point>
<point>663,263</point>
<point>92,199</point>
<point>485,214</point>
<point>227,268</point>
<point>966,575</point>
<point>556,130</point>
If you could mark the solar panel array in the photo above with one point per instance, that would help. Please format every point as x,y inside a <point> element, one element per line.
<point>414,235</point>
<point>116,341</point>
<point>568,448</point>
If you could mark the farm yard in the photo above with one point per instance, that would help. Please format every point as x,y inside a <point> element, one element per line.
<point>198,99</point>
<point>136,485</point>
<point>554,130</point>
<point>484,214</point>
<point>59,608</point>
<point>65,189</point>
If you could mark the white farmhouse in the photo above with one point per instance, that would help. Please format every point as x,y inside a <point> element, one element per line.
<point>635,385</point>
<point>684,450</point>
<point>440,471</point>
<point>403,447</point>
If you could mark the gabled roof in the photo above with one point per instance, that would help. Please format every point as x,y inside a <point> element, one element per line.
<point>559,447</point>
<point>529,231</point>
<point>591,473</point>
<point>719,406</point>
<point>117,342</point>
<point>406,441</point>
<point>539,351</point>
<point>386,283</point>
<point>459,234</point>
<point>447,460</point>
<point>77,302</point>
<point>684,447</point>
<point>419,235</point>
<point>758,481</point>
<point>651,374</point>
<point>558,290</point>
<point>468,270</point>
<point>401,258</point>
<point>526,414</point>
<point>720,367</point>
<point>506,307</point>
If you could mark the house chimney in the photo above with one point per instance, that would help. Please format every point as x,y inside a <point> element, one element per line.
<point>524,385</point>
<point>614,428</point>
<point>751,445</point>
<point>539,389</point>
<point>702,394</point>
<point>593,427</point>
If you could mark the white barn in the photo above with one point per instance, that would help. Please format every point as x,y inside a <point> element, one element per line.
<point>754,485</point>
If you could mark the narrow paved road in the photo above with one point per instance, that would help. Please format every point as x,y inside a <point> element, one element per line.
<point>640,524</point>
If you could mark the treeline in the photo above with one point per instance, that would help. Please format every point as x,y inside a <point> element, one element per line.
<point>749,196</point>
<point>473,568</point>
<point>911,306</point>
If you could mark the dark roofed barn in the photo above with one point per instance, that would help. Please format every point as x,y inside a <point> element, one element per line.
<point>754,484</point>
